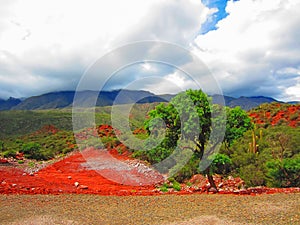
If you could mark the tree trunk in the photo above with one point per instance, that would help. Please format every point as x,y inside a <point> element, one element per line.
<point>211,179</point>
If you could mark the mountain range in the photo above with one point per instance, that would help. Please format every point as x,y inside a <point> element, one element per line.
<point>63,99</point>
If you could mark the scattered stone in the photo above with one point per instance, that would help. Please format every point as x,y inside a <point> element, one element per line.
<point>13,185</point>
<point>31,174</point>
<point>83,187</point>
<point>230,178</point>
<point>76,184</point>
<point>3,182</point>
<point>212,190</point>
<point>69,177</point>
<point>4,161</point>
<point>24,174</point>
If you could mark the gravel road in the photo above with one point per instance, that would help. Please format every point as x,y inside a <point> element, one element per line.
<point>164,209</point>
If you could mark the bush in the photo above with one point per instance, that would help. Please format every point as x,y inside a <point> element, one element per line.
<point>32,150</point>
<point>9,153</point>
<point>176,186</point>
<point>221,164</point>
<point>164,188</point>
<point>252,175</point>
<point>284,173</point>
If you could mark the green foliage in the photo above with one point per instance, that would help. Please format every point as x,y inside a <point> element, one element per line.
<point>16,123</point>
<point>2,148</point>
<point>23,122</point>
<point>252,175</point>
<point>176,186</point>
<point>31,164</point>
<point>9,153</point>
<point>238,122</point>
<point>164,188</point>
<point>189,116</point>
<point>221,164</point>
<point>285,173</point>
<point>40,146</point>
<point>186,117</point>
<point>274,163</point>
<point>32,150</point>
<point>172,184</point>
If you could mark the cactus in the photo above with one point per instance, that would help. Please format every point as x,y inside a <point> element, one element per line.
<point>253,147</point>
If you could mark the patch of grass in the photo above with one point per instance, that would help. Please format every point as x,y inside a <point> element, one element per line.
<point>164,188</point>
<point>31,164</point>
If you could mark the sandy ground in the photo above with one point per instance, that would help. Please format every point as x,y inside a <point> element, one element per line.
<point>164,209</point>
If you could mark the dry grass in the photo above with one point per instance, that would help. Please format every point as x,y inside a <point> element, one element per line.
<point>165,209</point>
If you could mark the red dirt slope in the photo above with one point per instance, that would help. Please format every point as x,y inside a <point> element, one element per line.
<point>61,176</point>
<point>276,114</point>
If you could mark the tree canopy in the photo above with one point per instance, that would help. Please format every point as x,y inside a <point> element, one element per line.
<point>192,122</point>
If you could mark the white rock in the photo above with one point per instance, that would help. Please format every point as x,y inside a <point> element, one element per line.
<point>76,184</point>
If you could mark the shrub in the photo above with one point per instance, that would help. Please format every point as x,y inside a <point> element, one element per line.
<point>221,164</point>
<point>31,164</point>
<point>284,173</point>
<point>176,186</point>
<point>32,150</point>
<point>9,153</point>
<point>252,175</point>
<point>294,116</point>
<point>164,188</point>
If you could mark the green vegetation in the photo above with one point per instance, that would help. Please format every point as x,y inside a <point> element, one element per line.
<point>261,156</point>
<point>39,146</point>
<point>274,161</point>
<point>188,121</point>
<point>18,123</point>
<point>267,153</point>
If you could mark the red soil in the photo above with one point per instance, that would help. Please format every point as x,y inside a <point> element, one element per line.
<point>61,176</point>
<point>290,115</point>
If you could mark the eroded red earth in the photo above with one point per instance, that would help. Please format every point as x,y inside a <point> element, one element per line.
<point>71,175</point>
<point>288,115</point>
<point>67,176</point>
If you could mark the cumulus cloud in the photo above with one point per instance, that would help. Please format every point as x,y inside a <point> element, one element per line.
<point>47,45</point>
<point>255,50</point>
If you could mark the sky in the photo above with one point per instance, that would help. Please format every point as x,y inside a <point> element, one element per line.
<point>251,47</point>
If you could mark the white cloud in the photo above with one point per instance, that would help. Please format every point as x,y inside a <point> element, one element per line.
<point>252,46</point>
<point>47,45</point>
<point>170,84</point>
<point>57,40</point>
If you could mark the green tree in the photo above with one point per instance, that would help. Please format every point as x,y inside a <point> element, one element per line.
<point>238,122</point>
<point>192,122</point>
<point>188,119</point>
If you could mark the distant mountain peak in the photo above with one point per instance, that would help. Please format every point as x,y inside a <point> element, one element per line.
<point>63,99</point>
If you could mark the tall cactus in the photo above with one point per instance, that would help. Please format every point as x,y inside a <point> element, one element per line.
<point>253,147</point>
